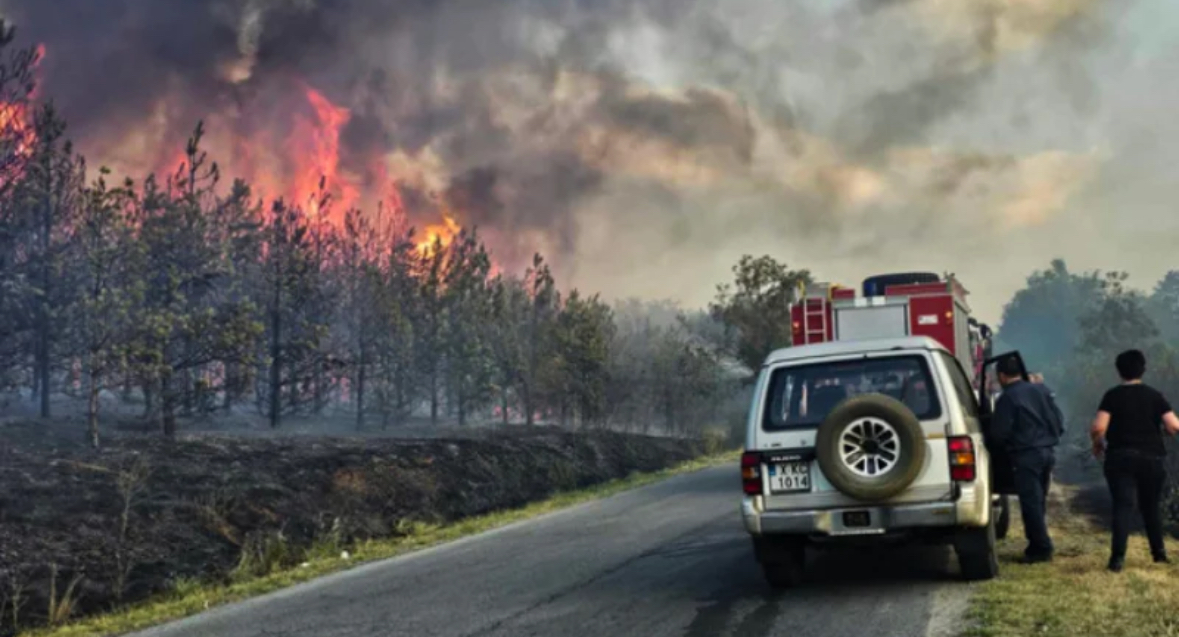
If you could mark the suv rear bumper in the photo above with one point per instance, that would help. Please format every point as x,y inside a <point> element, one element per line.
<point>830,521</point>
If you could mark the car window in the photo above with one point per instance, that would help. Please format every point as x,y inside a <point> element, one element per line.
<point>801,396</point>
<point>961,384</point>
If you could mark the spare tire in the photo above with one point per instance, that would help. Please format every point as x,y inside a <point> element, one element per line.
<point>871,447</point>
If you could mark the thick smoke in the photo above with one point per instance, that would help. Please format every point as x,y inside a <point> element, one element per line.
<point>645,144</point>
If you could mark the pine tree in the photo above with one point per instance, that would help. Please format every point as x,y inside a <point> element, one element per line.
<point>583,333</point>
<point>290,286</point>
<point>468,319</point>
<point>49,192</point>
<point>536,335</point>
<point>509,310</point>
<point>110,293</point>
<point>188,321</point>
<point>398,309</point>
<point>430,329</point>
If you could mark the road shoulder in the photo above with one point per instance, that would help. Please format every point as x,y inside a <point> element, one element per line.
<point>1075,595</point>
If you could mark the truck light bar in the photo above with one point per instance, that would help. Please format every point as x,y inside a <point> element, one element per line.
<point>836,292</point>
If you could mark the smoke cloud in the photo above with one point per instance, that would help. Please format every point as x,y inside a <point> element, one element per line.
<point>644,145</point>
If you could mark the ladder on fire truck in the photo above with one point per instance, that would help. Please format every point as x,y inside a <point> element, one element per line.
<point>815,299</point>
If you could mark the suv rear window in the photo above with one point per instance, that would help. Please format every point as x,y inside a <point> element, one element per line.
<point>801,396</point>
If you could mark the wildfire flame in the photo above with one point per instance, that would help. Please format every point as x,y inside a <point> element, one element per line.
<point>16,124</point>
<point>313,168</point>
<point>315,147</point>
<point>441,234</point>
<point>301,168</point>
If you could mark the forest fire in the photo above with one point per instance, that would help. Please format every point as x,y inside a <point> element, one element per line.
<point>308,170</point>
<point>306,167</point>
<point>438,234</point>
<point>314,147</point>
<point>17,123</point>
<point>296,154</point>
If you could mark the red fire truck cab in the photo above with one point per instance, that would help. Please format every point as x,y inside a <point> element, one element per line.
<point>893,305</point>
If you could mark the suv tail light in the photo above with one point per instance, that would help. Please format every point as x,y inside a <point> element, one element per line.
<point>962,462</point>
<point>751,473</point>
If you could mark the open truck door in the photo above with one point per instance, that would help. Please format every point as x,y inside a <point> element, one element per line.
<point>1002,471</point>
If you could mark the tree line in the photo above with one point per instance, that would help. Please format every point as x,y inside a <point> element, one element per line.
<point>1070,325</point>
<point>190,294</point>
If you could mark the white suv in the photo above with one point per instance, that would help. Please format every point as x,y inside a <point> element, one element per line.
<point>867,439</point>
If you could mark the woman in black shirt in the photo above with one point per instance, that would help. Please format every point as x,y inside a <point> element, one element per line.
<point>1128,432</point>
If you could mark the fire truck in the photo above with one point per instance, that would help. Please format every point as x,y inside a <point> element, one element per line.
<point>894,305</point>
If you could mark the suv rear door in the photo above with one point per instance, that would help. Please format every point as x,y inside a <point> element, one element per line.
<point>797,396</point>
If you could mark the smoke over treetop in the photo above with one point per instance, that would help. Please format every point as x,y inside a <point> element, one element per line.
<point>643,144</point>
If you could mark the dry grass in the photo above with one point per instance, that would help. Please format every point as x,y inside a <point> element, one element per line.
<point>1075,595</point>
<point>255,579</point>
<point>62,607</point>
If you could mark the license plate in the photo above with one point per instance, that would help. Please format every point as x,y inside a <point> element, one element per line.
<point>790,477</point>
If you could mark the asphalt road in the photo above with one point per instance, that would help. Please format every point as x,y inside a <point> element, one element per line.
<point>669,559</point>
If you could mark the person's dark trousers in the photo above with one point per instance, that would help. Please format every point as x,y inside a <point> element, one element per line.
<point>1033,475</point>
<point>1135,476</point>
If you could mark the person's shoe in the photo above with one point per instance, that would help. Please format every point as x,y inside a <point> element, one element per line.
<point>1037,558</point>
<point>1161,559</point>
<point>1116,564</point>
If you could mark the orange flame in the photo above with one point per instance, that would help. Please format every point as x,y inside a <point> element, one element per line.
<point>16,124</point>
<point>441,234</point>
<point>315,147</point>
<point>309,159</point>
<point>16,121</point>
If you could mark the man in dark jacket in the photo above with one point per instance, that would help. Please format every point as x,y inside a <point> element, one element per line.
<point>1028,424</point>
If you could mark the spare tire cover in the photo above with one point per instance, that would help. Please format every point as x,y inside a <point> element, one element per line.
<point>871,447</point>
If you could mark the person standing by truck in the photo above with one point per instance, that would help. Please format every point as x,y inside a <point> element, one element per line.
<point>1128,432</point>
<point>1028,424</point>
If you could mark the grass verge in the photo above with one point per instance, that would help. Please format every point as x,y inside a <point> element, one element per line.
<point>1075,595</point>
<point>189,598</point>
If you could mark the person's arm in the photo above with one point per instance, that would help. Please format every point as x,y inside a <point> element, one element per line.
<point>1097,432</point>
<point>1171,422</point>
<point>1100,427</point>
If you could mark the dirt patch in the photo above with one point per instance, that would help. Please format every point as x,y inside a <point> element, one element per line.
<point>144,514</point>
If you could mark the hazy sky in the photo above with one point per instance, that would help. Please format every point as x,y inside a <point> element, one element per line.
<point>645,145</point>
<point>1072,125</point>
